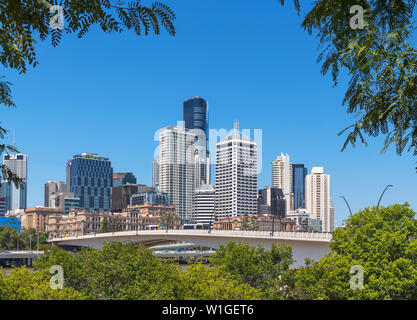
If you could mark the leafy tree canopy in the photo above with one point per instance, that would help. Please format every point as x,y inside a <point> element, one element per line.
<point>255,266</point>
<point>381,64</point>
<point>383,242</point>
<point>21,284</point>
<point>22,22</point>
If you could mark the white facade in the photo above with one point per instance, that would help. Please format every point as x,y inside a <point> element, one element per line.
<point>318,197</point>
<point>204,203</point>
<point>236,176</point>
<point>282,178</point>
<point>17,198</point>
<point>177,168</point>
<point>332,215</point>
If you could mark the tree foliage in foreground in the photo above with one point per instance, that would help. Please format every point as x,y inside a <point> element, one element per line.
<point>383,241</point>
<point>22,22</point>
<point>381,64</point>
<point>131,272</point>
<point>262,269</point>
<point>27,239</point>
<point>22,284</point>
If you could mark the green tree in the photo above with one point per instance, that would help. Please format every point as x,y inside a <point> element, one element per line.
<point>380,240</point>
<point>380,62</point>
<point>201,283</point>
<point>105,226</point>
<point>21,284</point>
<point>262,269</point>
<point>250,224</point>
<point>117,271</point>
<point>27,239</point>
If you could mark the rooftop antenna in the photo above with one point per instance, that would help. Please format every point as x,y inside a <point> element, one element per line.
<point>236,127</point>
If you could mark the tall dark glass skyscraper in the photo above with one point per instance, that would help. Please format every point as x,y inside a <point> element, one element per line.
<point>298,185</point>
<point>195,113</point>
<point>90,178</point>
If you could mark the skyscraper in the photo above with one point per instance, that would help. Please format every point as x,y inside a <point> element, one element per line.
<point>282,177</point>
<point>51,188</point>
<point>299,174</point>
<point>272,201</point>
<point>318,197</point>
<point>16,198</point>
<point>195,112</point>
<point>155,174</point>
<point>90,178</point>
<point>236,175</point>
<point>177,168</point>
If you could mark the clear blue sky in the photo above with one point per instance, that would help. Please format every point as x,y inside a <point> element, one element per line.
<point>108,94</point>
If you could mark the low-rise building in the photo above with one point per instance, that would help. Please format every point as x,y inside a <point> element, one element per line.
<point>256,223</point>
<point>76,223</point>
<point>144,217</point>
<point>37,218</point>
<point>304,222</point>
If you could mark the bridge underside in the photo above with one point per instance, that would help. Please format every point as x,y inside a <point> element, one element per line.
<point>313,249</point>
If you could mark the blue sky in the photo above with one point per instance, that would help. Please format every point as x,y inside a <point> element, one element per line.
<point>108,94</point>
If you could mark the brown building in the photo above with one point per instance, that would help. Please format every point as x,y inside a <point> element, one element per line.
<point>144,217</point>
<point>255,222</point>
<point>121,195</point>
<point>37,218</point>
<point>76,223</point>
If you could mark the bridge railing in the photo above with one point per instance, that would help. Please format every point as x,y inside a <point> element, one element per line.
<point>248,233</point>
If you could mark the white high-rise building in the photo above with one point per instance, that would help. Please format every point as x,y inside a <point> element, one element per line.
<point>282,178</point>
<point>204,203</point>
<point>177,168</point>
<point>16,198</point>
<point>236,175</point>
<point>332,215</point>
<point>318,197</point>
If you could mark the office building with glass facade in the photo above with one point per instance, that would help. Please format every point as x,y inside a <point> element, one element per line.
<point>90,178</point>
<point>16,198</point>
<point>153,198</point>
<point>299,174</point>
<point>195,112</point>
<point>71,203</point>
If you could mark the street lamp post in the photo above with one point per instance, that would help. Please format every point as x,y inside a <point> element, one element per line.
<point>380,198</point>
<point>350,211</point>
<point>211,222</point>
<point>273,225</point>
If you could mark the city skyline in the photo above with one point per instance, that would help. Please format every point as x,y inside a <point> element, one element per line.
<point>259,84</point>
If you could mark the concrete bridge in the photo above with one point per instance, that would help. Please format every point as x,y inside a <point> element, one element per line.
<point>18,258</point>
<point>311,245</point>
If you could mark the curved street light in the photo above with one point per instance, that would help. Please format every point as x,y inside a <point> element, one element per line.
<point>379,201</point>
<point>347,204</point>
